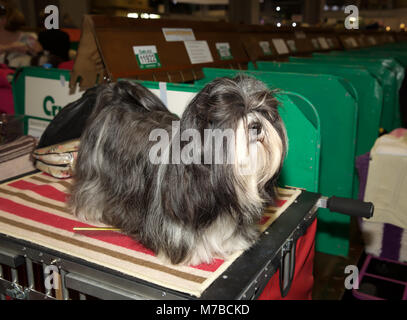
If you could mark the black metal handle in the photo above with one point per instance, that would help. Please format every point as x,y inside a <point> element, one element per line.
<point>351,207</point>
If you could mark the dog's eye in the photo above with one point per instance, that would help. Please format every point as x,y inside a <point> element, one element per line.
<point>255,126</point>
<point>256,131</point>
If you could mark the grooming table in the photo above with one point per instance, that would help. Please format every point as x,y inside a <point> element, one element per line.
<point>36,235</point>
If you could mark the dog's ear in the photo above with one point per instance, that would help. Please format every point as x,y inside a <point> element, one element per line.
<point>187,195</point>
<point>133,93</point>
<point>130,96</point>
<point>270,191</point>
<point>196,195</point>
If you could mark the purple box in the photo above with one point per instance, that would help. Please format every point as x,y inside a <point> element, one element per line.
<point>382,279</point>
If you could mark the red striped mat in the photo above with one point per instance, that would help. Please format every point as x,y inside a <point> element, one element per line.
<point>33,209</point>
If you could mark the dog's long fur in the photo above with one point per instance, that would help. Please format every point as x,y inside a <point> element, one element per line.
<point>185,213</point>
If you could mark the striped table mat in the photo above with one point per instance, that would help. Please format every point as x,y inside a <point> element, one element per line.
<point>33,209</point>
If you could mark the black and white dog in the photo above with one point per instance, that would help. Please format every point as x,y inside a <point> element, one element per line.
<point>188,211</point>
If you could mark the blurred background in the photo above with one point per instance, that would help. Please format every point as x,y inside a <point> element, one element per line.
<point>374,14</point>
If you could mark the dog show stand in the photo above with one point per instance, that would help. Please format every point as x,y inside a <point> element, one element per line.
<point>38,247</point>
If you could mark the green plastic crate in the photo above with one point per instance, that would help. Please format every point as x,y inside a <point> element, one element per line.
<point>389,73</point>
<point>39,94</point>
<point>369,93</point>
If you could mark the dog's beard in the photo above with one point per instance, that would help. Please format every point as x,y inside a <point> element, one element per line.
<point>258,158</point>
<point>185,213</point>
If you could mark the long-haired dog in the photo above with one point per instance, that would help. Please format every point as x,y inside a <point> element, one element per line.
<point>185,213</point>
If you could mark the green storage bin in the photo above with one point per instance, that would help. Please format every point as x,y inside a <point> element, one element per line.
<point>39,94</point>
<point>388,72</point>
<point>369,92</point>
<point>398,54</point>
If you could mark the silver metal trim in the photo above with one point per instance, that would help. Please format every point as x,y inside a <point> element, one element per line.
<point>65,292</point>
<point>14,275</point>
<point>98,289</point>
<point>30,273</point>
<point>48,292</point>
<point>9,257</point>
<point>322,202</point>
<point>2,296</point>
<point>137,288</point>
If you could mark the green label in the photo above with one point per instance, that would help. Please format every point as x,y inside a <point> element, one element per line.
<point>147,57</point>
<point>224,50</point>
<point>265,46</point>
